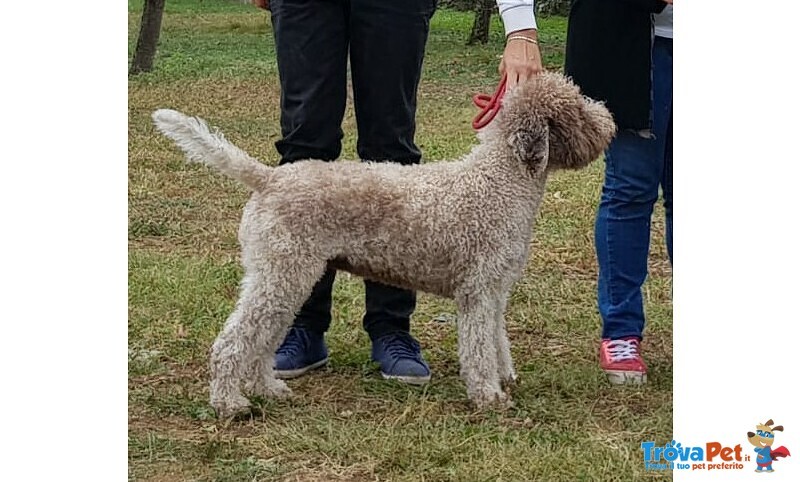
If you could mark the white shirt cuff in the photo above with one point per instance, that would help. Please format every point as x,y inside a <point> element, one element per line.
<point>518,18</point>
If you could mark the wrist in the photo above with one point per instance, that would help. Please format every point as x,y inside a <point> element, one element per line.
<point>530,33</point>
<point>528,36</point>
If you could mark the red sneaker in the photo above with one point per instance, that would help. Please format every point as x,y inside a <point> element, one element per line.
<point>622,362</point>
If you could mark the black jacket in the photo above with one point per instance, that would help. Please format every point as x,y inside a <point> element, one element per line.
<point>608,55</point>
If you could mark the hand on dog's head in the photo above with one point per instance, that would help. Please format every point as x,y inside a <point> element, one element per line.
<point>547,122</point>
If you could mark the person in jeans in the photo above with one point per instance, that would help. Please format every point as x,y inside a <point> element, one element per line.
<point>384,41</point>
<point>620,51</point>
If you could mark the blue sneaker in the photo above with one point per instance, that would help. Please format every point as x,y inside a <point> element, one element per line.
<point>302,351</point>
<point>400,358</point>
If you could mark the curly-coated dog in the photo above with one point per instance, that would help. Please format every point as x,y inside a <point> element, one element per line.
<point>459,229</point>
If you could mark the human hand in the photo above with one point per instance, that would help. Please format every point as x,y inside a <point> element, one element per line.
<point>261,4</point>
<point>521,58</point>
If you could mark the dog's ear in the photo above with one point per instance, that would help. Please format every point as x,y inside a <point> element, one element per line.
<point>777,428</point>
<point>579,128</point>
<point>523,129</point>
<point>769,423</point>
<point>530,147</point>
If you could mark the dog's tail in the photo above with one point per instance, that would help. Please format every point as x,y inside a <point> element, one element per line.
<point>200,144</point>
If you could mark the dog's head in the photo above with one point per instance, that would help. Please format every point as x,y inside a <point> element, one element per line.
<point>546,121</point>
<point>764,435</point>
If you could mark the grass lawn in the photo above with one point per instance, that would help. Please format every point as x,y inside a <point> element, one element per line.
<point>216,59</point>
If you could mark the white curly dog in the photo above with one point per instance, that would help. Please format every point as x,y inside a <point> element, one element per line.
<point>459,229</point>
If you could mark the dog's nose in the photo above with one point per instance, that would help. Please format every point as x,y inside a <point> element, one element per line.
<point>750,434</point>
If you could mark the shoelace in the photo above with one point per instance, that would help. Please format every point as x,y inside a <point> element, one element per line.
<point>294,343</point>
<point>401,346</point>
<point>620,350</point>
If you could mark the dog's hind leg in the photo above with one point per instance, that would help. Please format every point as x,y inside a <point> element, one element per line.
<point>226,358</point>
<point>477,348</point>
<point>243,354</point>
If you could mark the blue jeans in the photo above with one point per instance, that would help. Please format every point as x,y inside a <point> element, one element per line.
<point>636,166</point>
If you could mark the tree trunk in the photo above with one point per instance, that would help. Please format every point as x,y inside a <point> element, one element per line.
<point>148,37</point>
<point>480,28</point>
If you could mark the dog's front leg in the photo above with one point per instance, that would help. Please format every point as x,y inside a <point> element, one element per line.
<point>477,349</point>
<point>505,365</point>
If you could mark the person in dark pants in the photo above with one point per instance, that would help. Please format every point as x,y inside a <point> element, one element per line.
<point>620,52</point>
<point>385,44</point>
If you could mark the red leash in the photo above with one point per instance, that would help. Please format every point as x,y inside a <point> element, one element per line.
<point>489,105</point>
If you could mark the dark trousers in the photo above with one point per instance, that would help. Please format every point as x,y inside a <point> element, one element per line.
<point>385,42</point>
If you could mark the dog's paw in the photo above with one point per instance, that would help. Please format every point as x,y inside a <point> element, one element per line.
<point>489,397</point>
<point>230,407</point>
<point>272,388</point>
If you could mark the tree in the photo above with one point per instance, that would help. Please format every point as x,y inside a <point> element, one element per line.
<point>149,31</point>
<point>480,27</point>
<point>552,7</point>
<point>483,14</point>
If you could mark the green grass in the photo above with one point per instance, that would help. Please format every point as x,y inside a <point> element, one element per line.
<point>216,59</point>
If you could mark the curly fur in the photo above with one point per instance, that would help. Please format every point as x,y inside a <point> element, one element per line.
<point>457,229</point>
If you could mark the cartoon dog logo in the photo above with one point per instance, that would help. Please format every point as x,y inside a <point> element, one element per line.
<point>762,440</point>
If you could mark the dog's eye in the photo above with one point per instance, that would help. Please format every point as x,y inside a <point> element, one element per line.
<point>769,435</point>
<point>760,433</point>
